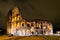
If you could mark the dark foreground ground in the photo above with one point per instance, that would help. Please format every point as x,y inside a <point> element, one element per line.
<point>30,38</point>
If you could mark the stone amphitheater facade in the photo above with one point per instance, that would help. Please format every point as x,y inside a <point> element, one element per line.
<point>19,26</point>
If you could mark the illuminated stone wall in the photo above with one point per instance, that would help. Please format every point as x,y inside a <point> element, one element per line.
<point>16,25</point>
<point>14,20</point>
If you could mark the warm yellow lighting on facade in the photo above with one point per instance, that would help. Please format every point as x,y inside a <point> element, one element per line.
<point>29,23</point>
<point>50,28</point>
<point>15,11</point>
<point>44,27</point>
<point>8,30</point>
<point>17,18</point>
<point>32,29</point>
<point>23,31</point>
<point>13,19</point>
<point>46,33</point>
<point>37,25</point>
<point>14,25</point>
<point>22,23</point>
<point>17,23</point>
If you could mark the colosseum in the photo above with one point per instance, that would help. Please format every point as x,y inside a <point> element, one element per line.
<point>19,26</point>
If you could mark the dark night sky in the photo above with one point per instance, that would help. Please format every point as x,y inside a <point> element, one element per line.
<point>31,9</point>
